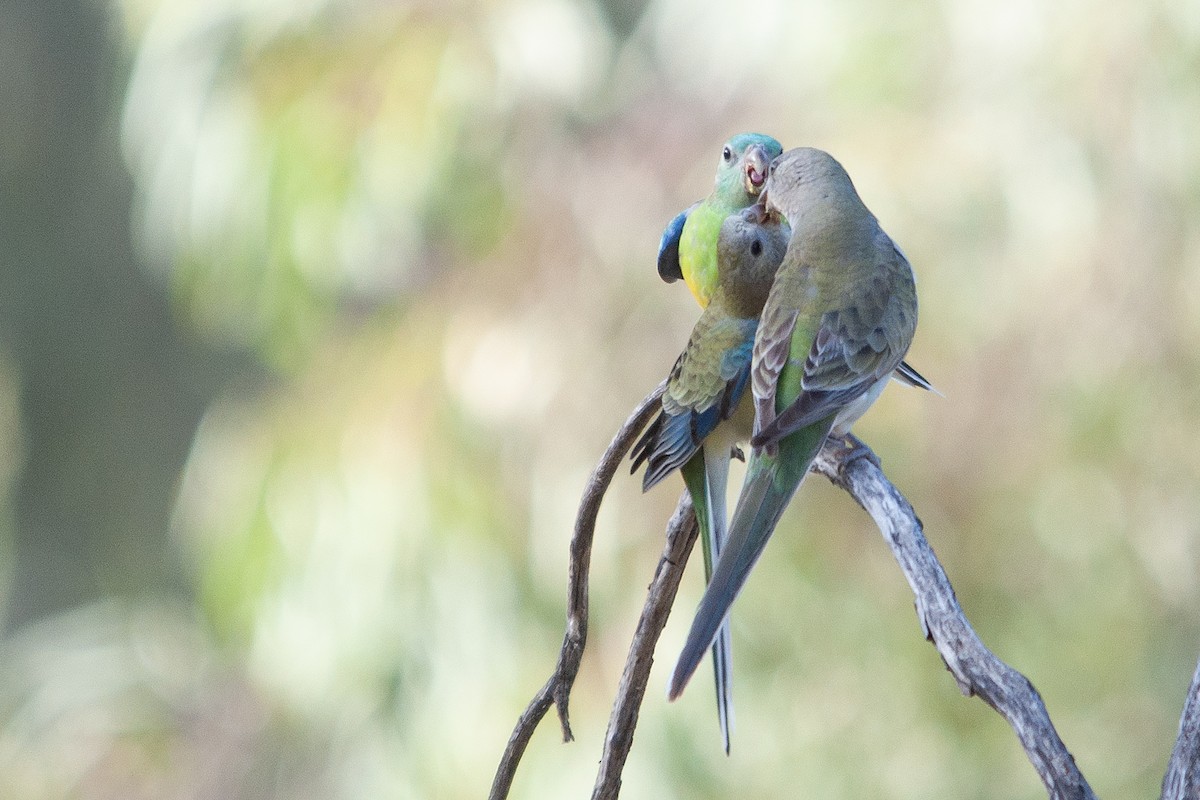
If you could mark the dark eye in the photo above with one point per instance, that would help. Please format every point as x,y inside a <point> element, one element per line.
<point>727,154</point>
<point>756,248</point>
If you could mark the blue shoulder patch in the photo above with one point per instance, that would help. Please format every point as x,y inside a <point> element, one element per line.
<point>737,360</point>
<point>668,248</point>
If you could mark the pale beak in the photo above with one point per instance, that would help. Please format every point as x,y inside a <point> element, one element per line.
<point>756,164</point>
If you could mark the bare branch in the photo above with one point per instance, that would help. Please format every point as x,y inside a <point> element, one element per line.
<point>1182,781</point>
<point>522,733</point>
<point>852,466</point>
<point>977,670</point>
<point>681,536</point>
<point>557,689</point>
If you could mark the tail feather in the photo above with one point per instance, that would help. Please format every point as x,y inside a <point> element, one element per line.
<point>770,484</point>
<point>907,375</point>
<point>706,476</point>
<point>722,652</point>
<point>716,469</point>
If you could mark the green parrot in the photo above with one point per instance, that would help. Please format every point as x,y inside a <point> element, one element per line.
<point>688,248</point>
<point>839,319</point>
<point>706,411</point>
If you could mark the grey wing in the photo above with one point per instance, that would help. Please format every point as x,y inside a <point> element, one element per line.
<point>856,345</point>
<point>772,344</point>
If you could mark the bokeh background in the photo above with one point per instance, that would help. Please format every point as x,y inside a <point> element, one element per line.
<point>315,315</point>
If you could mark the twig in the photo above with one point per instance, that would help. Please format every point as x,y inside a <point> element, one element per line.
<point>976,669</point>
<point>557,689</point>
<point>681,536</point>
<point>1182,781</point>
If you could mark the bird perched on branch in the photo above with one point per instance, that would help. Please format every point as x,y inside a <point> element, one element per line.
<point>705,409</point>
<point>836,325</point>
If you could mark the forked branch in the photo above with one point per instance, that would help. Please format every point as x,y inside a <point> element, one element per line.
<point>557,690</point>
<point>851,465</point>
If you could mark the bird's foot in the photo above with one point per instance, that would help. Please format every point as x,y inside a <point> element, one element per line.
<point>843,450</point>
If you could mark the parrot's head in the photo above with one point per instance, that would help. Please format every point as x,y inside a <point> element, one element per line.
<point>743,167</point>
<point>749,250</point>
<point>800,179</point>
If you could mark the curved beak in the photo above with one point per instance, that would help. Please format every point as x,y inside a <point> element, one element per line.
<point>767,208</point>
<point>755,167</point>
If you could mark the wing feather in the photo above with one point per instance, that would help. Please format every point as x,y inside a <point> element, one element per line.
<point>856,345</point>
<point>772,346</point>
<point>705,386</point>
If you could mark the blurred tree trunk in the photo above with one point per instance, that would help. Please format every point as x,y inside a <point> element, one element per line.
<point>110,388</point>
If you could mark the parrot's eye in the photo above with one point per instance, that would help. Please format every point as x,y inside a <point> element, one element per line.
<point>756,248</point>
<point>726,154</point>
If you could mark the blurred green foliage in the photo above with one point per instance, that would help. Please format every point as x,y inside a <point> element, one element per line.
<point>316,315</point>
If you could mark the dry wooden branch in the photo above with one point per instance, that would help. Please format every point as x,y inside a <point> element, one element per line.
<point>681,536</point>
<point>852,466</point>
<point>557,690</point>
<point>1182,781</point>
